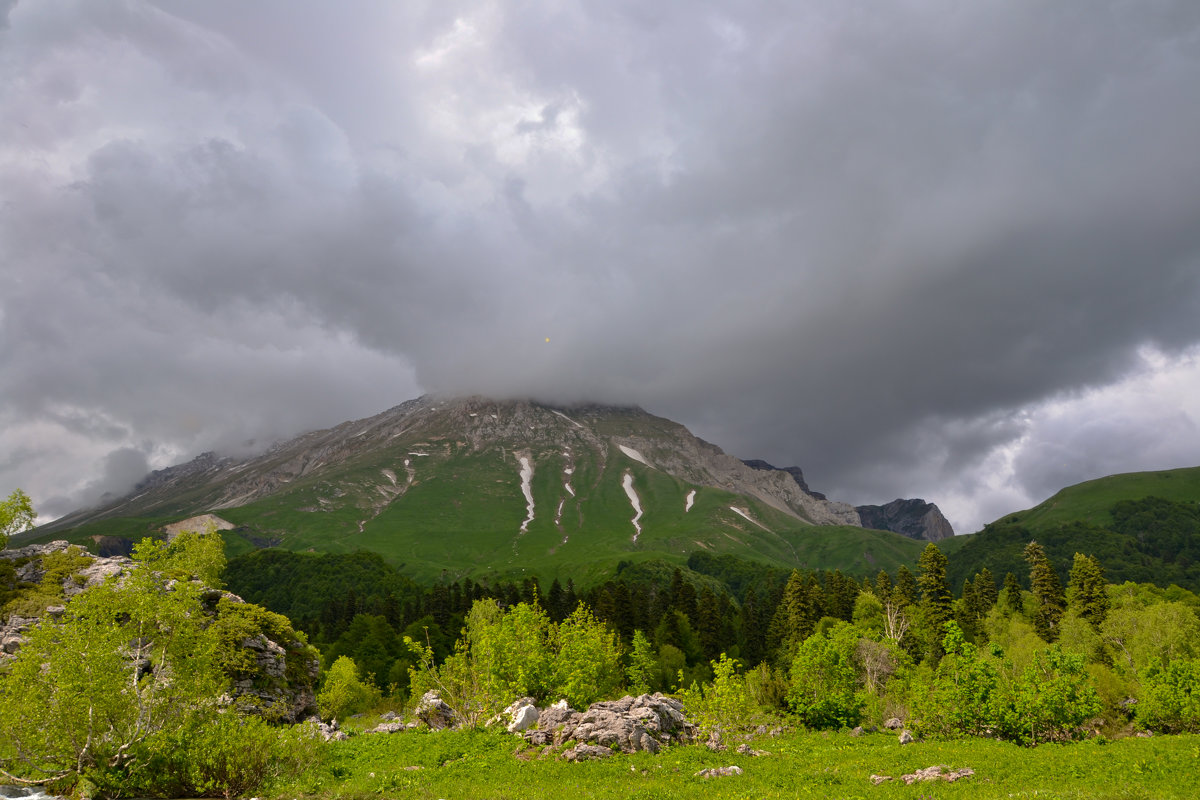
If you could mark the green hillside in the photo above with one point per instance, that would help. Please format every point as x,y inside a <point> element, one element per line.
<point>1142,526</point>
<point>437,490</point>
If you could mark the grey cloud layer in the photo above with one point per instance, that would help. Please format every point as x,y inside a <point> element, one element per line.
<point>861,239</point>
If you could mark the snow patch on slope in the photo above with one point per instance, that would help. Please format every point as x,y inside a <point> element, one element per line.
<point>568,419</point>
<point>634,454</point>
<point>627,484</point>
<point>691,499</point>
<point>527,490</point>
<point>745,514</point>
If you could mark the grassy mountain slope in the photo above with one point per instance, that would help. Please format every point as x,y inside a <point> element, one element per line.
<point>1116,519</point>
<point>436,488</point>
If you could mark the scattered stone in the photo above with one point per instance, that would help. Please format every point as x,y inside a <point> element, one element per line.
<point>939,772</point>
<point>389,727</point>
<point>434,712</point>
<point>746,750</point>
<point>893,724</point>
<point>714,742</point>
<point>327,731</point>
<point>858,731</point>
<point>906,737</point>
<point>719,772</point>
<point>388,716</point>
<point>878,779</point>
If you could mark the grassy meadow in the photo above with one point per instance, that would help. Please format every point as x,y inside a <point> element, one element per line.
<point>471,764</point>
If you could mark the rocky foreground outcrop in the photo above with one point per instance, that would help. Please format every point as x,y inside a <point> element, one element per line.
<point>277,679</point>
<point>647,722</point>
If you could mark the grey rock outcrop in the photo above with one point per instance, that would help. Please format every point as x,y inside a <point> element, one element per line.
<point>914,518</point>
<point>586,752</point>
<point>631,724</point>
<point>434,712</point>
<point>719,772</point>
<point>796,473</point>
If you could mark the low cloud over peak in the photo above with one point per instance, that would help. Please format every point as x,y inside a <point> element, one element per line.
<point>919,253</point>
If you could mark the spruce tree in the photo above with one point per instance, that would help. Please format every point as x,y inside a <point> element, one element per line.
<point>936,599</point>
<point>1087,590</point>
<point>1012,594</point>
<point>883,585</point>
<point>708,623</point>
<point>1047,588</point>
<point>985,590</point>
<point>906,587</point>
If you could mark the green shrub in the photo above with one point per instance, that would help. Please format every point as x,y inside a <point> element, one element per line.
<point>825,691</point>
<point>344,693</point>
<point>1170,700</point>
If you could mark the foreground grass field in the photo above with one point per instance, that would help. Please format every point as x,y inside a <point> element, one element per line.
<point>455,765</point>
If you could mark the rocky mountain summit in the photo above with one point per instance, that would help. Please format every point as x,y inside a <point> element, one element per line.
<point>461,485</point>
<point>915,519</point>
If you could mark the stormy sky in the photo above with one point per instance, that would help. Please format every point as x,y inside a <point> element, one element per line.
<point>921,249</point>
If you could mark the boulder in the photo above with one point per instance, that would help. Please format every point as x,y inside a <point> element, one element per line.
<point>906,737</point>
<point>434,712</point>
<point>893,724</point>
<point>631,724</point>
<point>523,719</point>
<point>719,772</point>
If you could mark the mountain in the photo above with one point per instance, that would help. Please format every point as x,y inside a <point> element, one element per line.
<point>472,486</point>
<point>915,519</point>
<point>1141,526</point>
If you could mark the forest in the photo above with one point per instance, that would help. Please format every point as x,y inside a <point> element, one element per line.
<point>112,692</point>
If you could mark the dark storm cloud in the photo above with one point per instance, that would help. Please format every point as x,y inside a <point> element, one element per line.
<point>869,240</point>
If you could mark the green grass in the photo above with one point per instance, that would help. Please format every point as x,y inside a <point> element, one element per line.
<point>801,765</point>
<point>1090,501</point>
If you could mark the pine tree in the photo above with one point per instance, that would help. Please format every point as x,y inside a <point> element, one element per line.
<point>906,587</point>
<point>1087,590</point>
<point>753,635</point>
<point>1012,594</point>
<point>985,590</point>
<point>1047,588</point>
<point>883,585</point>
<point>556,601</point>
<point>708,624</point>
<point>935,588</point>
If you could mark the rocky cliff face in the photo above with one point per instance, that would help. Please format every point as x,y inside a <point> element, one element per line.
<point>278,677</point>
<point>915,519</point>
<point>796,473</point>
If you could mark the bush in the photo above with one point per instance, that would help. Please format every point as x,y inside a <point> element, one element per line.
<point>725,705</point>
<point>1170,699</point>
<point>825,691</point>
<point>226,755</point>
<point>344,693</point>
